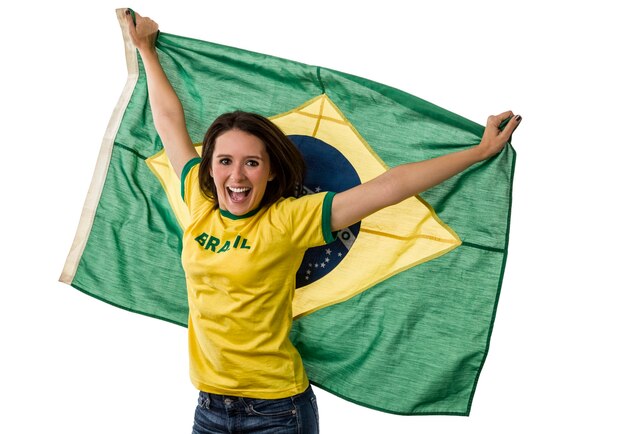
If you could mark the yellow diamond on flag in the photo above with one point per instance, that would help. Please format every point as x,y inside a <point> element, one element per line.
<point>388,242</point>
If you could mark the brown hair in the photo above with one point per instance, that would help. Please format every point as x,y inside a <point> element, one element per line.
<point>286,162</point>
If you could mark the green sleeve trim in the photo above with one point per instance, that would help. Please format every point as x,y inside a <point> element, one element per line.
<point>326,214</point>
<point>184,173</point>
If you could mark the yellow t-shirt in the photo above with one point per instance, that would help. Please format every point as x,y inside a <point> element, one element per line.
<point>240,275</point>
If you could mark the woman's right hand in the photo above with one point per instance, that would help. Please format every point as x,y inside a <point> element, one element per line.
<point>143,32</point>
<point>167,111</point>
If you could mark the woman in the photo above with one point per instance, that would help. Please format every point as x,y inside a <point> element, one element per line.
<point>246,241</point>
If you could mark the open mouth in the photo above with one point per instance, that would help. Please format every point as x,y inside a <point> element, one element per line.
<point>238,194</point>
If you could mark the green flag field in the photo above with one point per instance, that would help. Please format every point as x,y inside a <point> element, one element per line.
<point>401,318</point>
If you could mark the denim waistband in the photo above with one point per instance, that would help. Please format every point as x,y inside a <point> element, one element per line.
<point>213,400</point>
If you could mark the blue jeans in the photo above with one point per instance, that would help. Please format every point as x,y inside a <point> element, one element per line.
<point>231,414</point>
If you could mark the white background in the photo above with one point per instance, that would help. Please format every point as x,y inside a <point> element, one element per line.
<point>72,364</point>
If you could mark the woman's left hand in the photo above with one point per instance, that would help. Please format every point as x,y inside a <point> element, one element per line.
<point>494,139</point>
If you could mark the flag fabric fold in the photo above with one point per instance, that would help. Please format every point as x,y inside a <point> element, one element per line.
<point>397,314</point>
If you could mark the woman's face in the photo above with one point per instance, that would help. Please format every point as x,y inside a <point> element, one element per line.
<point>240,167</point>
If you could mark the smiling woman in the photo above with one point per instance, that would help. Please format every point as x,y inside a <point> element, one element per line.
<point>248,162</point>
<point>240,168</point>
<point>242,197</point>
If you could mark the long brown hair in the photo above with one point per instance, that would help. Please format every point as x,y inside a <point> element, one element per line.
<point>286,162</point>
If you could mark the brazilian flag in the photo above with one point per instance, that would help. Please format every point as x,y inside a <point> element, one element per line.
<point>397,313</point>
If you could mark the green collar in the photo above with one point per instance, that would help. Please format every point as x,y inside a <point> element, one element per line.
<point>238,217</point>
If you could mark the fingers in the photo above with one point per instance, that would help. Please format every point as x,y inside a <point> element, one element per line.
<point>137,20</point>
<point>132,30</point>
<point>494,139</point>
<point>133,14</point>
<point>507,132</point>
<point>142,30</point>
<point>494,123</point>
<point>131,27</point>
<point>503,116</point>
<point>129,17</point>
<point>512,124</point>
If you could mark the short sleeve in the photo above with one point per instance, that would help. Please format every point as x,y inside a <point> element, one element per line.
<point>309,218</point>
<point>190,186</point>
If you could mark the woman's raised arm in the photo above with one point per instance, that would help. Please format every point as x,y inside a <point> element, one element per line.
<point>402,182</point>
<point>167,111</point>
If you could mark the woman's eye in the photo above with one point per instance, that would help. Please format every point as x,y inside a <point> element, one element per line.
<point>224,161</point>
<point>252,163</point>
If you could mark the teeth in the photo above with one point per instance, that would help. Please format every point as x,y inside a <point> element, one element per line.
<point>238,189</point>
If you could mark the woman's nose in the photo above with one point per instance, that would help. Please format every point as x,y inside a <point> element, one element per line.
<point>238,173</point>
